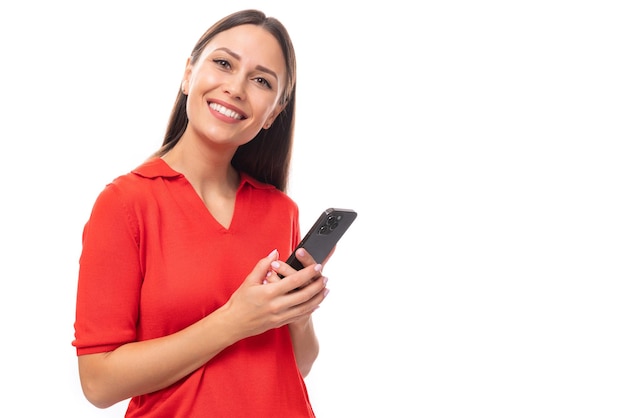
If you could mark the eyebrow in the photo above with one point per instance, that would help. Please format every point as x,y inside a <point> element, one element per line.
<point>238,57</point>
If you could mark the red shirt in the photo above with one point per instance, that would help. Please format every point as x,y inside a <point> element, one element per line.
<point>155,261</point>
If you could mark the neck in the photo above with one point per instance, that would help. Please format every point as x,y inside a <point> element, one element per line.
<point>204,168</point>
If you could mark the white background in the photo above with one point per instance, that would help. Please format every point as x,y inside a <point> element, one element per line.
<point>481,143</point>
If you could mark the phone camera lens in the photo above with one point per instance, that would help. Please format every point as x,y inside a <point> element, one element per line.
<point>332,222</point>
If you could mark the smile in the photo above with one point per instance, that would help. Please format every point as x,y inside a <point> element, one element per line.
<point>224,111</point>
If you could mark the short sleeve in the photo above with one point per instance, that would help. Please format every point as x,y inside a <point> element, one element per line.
<point>110,276</point>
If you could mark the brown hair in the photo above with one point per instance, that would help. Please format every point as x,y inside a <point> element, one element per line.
<point>268,155</point>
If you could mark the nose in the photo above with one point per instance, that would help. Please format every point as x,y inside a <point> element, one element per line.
<point>235,87</point>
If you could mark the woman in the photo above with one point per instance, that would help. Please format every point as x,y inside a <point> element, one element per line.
<point>179,305</point>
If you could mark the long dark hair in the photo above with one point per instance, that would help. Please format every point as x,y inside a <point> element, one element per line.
<point>268,155</point>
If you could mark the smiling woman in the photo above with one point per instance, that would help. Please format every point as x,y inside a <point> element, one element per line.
<point>265,75</point>
<point>250,97</point>
<point>180,307</point>
<point>488,135</point>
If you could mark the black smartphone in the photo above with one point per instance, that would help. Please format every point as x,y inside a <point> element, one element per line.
<point>324,235</point>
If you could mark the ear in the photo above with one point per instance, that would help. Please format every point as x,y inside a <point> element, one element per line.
<point>272,117</point>
<point>184,85</point>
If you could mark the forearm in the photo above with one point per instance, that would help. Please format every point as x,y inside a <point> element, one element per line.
<point>147,366</point>
<point>305,344</point>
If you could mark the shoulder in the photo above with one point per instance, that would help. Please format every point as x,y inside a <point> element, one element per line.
<point>137,183</point>
<point>152,169</point>
<point>131,191</point>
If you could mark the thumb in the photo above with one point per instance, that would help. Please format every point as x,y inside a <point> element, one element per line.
<point>259,274</point>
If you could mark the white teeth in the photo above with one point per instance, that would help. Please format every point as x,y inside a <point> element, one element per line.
<point>227,112</point>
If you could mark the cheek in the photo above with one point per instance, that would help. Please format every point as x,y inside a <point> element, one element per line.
<point>270,110</point>
<point>203,78</point>
<point>197,84</point>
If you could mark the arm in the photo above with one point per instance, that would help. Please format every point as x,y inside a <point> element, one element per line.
<point>147,366</point>
<point>305,344</point>
<point>142,367</point>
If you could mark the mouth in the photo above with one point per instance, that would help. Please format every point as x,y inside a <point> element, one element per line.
<point>225,111</point>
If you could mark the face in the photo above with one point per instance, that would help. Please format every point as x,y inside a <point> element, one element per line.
<point>234,88</point>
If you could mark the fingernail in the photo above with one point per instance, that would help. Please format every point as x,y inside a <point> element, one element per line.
<point>325,279</point>
<point>318,267</point>
<point>326,292</point>
<point>300,251</point>
<point>272,254</point>
<point>275,264</point>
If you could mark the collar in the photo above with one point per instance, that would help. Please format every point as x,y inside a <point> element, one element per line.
<point>157,167</point>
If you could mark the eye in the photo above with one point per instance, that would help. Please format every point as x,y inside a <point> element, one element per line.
<point>263,82</point>
<point>222,63</point>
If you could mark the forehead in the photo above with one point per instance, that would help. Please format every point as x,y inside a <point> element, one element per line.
<point>250,42</point>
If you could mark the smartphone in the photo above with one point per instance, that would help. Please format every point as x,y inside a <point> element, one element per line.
<point>324,235</point>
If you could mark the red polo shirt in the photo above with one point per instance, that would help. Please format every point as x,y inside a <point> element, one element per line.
<point>155,261</point>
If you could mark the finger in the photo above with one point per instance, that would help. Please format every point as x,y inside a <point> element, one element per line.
<point>305,258</point>
<point>308,298</point>
<point>302,302</point>
<point>272,276</point>
<point>262,267</point>
<point>283,269</point>
<point>293,279</point>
